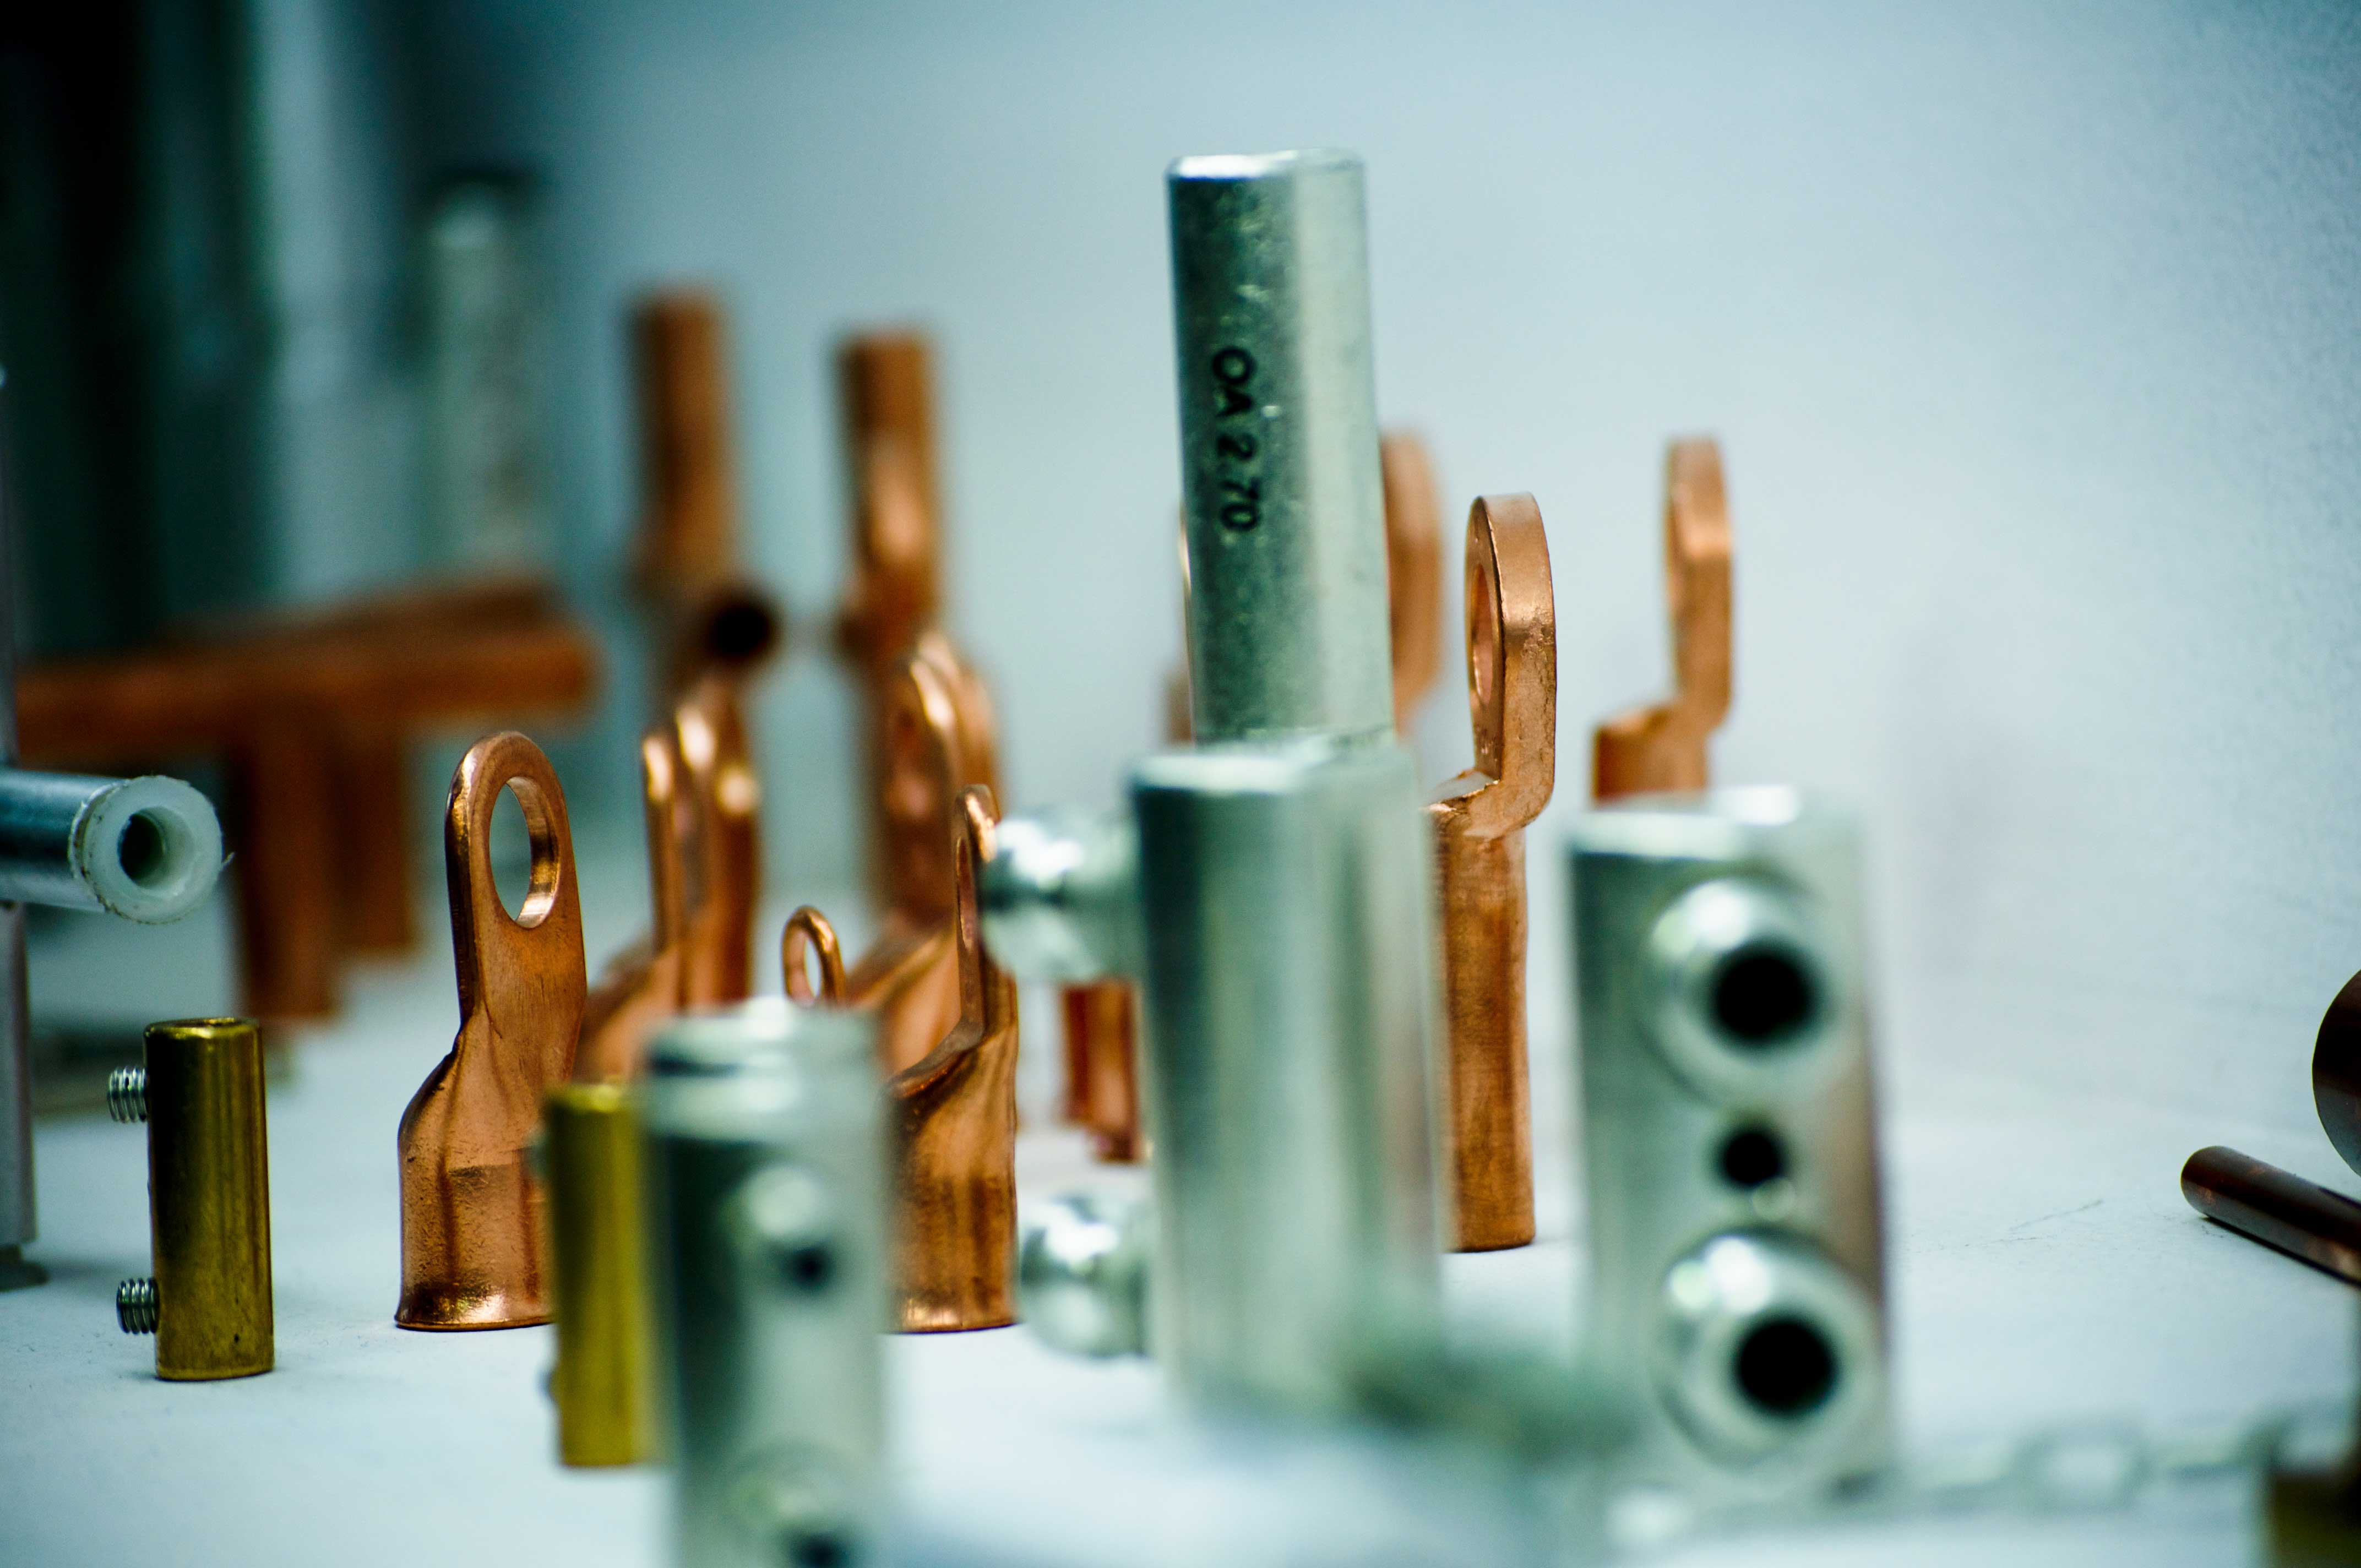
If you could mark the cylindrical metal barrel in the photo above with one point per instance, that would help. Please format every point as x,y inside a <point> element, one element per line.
<point>590,1168</point>
<point>1287,613</point>
<point>208,1199</point>
<point>764,1128</point>
<point>1290,1004</point>
<point>146,849</point>
<point>2277,1208</point>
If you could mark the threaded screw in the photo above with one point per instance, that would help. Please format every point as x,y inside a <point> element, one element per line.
<point>127,1094</point>
<point>136,1306</point>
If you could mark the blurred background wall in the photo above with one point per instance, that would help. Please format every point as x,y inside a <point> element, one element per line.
<point>2028,332</point>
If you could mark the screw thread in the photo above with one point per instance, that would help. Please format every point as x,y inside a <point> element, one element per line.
<point>127,1094</point>
<point>136,1306</point>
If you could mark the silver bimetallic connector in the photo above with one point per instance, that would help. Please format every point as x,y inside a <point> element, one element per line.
<point>1283,895</point>
<point>1288,625</point>
<point>766,1206</point>
<point>1728,1132</point>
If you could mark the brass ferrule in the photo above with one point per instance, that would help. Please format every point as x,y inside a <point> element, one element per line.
<point>208,1199</point>
<point>602,1383</point>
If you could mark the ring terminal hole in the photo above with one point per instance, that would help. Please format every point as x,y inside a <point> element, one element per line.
<point>1763,994</point>
<point>522,849</point>
<point>1786,1367</point>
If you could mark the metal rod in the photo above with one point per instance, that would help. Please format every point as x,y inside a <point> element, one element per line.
<point>2278,1209</point>
<point>147,849</point>
<point>1286,533</point>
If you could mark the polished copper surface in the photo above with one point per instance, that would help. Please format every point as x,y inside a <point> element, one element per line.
<point>710,616</point>
<point>954,1110</point>
<point>937,742</point>
<point>955,1117</point>
<point>1479,820</point>
<point>471,1221</point>
<point>710,728</point>
<point>885,387</point>
<point>2279,1209</point>
<point>1663,747</point>
<point>647,982</point>
<point>1413,571</point>
<point>1102,1066</point>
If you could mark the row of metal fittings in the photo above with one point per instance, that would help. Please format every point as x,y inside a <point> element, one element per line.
<point>1293,983</point>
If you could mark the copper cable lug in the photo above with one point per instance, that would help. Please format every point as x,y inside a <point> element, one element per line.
<point>1663,747</point>
<point>710,615</point>
<point>709,733</point>
<point>1480,821</point>
<point>208,1303</point>
<point>603,1382</point>
<point>954,1113</point>
<point>646,982</point>
<point>1413,571</point>
<point>471,1221</point>
<point>938,740</point>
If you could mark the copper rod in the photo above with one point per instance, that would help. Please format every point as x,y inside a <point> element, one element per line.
<point>2279,1209</point>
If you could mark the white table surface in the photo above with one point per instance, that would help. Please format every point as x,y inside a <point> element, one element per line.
<point>2045,1274</point>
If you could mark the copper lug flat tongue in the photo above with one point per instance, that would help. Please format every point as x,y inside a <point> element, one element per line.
<point>1480,821</point>
<point>1663,746</point>
<point>471,1219</point>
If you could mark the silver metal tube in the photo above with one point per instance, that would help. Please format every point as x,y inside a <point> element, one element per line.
<point>1287,620</point>
<point>1729,1131</point>
<point>766,1206</point>
<point>17,1218</point>
<point>147,849</point>
<point>1290,1012</point>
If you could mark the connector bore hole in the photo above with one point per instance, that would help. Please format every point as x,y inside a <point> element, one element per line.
<point>144,849</point>
<point>1764,994</point>
<point>1752,1156</point>
<point>1787,1367</point>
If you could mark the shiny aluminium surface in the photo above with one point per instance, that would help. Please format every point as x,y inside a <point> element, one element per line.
<point>1284,520</point>
<point>1729,1136</point>
<point>199,1089</point>
<point>147,849</point>
<point>1663,746</point>
<point>1289,1010</point>
<point>1479,820</point>
<point>471,1221</point>
<point>603,1380</point>
<point>769,1256</point>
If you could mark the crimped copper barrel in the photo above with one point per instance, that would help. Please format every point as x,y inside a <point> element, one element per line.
<point>208,1199</point>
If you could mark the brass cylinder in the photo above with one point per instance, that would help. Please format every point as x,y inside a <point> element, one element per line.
<point>590,1157</point>
<point>209,1199</point>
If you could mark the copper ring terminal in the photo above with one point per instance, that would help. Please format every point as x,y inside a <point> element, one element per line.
<point>1663,747</point>
<point>1413,571</point>
<point>1479,820</point>
<point>955,1120</point>
<point>471,1221</point>
<point>726,800</point>
<point>812,938</point>
<point>645,983</point>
